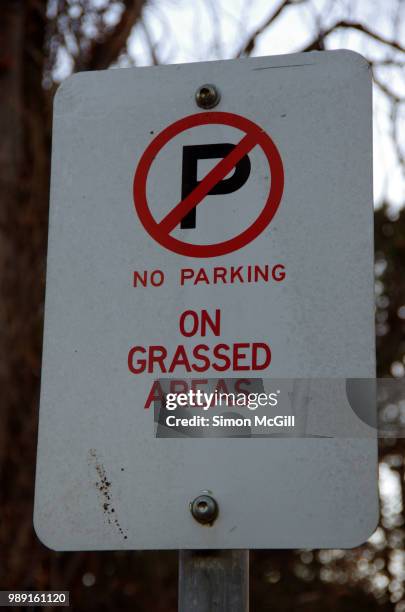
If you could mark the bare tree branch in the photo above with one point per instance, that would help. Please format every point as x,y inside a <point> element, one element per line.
<point>102,53</point>
<point>150,43</point>
<point>389,62</point>
<point>248,47</point>
<point>395,134</point>
<point>385,89</point>
<point>216,27</point>
<point>353,25</point>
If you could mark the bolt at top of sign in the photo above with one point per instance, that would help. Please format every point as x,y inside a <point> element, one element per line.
<point>207,96</point>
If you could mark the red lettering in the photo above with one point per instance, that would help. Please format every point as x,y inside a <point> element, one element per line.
<point>197,355</point>
<point>178,386</point>
<point>140,362</point>
<point>138,278</point>
<point>239,383</point>
<point>201,277</point>
<point>255,364</point>
<point>195,383</point>
<point>207,321</point>
<point>155,394</point>
<point>219,355</point>
<point>157,354</point>
<point>278,276</point>
<point>221,386</point>
<point>180,359</point>
<point>236,273</point>
<point>238,354</point>
<point>263,273</point>
<point>186,274</point>
<point>157,277</point>
<point>219,274</point>
<point>194,322</point>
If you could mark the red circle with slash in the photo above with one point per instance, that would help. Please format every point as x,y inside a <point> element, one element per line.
<point>254,135</point>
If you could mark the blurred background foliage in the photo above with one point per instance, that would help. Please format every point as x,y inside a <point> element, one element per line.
<point>41,43</point>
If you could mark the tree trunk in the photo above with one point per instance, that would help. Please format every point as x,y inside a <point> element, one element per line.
<point>24,177</point>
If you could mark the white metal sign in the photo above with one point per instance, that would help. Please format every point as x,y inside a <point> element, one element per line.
<point>218,249</point>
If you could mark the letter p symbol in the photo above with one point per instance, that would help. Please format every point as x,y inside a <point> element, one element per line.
<point>191,155</point>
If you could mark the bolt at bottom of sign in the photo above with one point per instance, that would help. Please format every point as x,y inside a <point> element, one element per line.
<point>204,509</point>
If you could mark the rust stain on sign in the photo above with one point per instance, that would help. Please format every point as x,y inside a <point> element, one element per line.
<point>103,485</point>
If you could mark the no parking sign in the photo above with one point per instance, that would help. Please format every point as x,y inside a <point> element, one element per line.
<point>234,157</point>
<point>206,251</point>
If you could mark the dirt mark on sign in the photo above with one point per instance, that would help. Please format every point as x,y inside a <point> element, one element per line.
<point>103,486</point>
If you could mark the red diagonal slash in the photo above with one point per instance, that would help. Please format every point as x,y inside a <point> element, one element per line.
<point>216,175</point>
<point>254,135</point>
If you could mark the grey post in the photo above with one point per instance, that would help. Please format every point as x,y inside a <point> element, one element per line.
<point>214,581</point>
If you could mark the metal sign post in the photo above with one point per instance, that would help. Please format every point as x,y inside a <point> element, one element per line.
<point>213,581</point>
